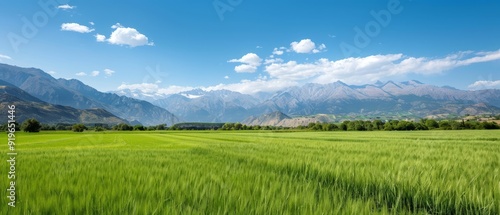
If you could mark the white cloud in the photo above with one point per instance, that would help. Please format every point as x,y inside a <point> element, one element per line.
<point>94,73</point>
<point>150,88</point>
<point>108,72</point>
<point>372,68</point>
<point>245,86</point>
<point>252,87</point>
<point>81,74</point>
<point>277,51</point>
<point>91,23</point>
<point>125,36</point>
<point>258,47</point>
<point>4,57</point>
<point>481,85</point>
<point>52,72</point>
<point>250,62</point>
<point>245,68</point>
<point>66,7</point>
<point>76,28</point>
<point>100,38</point>
<point>306,46</point>
<point>273,60</point>
<point>350,70</point>
<point>226,77</point>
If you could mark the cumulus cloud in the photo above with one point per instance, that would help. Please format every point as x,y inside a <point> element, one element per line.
<point>108,72</point>
<point>76,28</point>
<point>100,38</point>
<point>250,62</point>
<point>375,67</point>
<point>4,57</point>
<point>81,74</point>
<point>358,70</point>
<point>481,85</point>
<point>226,77</point>
<point>273,60</point>
<point>306,46</point>
<point>277,51</point>
<point>66,7</point>
<point>94,73</point>
<point>125,36</point>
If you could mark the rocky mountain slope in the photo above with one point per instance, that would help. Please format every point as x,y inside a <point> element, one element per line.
<point>28,106</point>
<point>75,94</point>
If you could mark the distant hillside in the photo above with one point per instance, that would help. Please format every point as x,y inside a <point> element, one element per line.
<point>75,94</point>
<point>274,119</point>
<point>28,106</point>
<point>280,119</point>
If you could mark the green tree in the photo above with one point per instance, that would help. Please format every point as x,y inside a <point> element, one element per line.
<point>444,125</point>
<point>490,125</point>
<point>388,126</point>
<point>343,127</point>
<point>139,128</point>
<point>123,127</point>
<point>79,127</point>
<point>98,128</point>
<point>31,125</point>
<point>160,127</point>
<point>431,123</point>
<point>378,125</point>
<point>228,126</point>
<point>46,127</point>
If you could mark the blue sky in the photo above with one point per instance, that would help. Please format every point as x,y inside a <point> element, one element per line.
<point>251,46</point>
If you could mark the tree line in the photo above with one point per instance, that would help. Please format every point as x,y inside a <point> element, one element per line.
<point>33,125</point>
<point>376,125</point>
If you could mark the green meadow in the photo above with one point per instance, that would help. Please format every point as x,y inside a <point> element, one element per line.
<point>255,172</point>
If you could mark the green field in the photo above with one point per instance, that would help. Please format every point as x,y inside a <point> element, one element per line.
<point>429,172</point>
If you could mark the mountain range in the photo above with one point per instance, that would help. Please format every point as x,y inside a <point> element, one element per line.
<point>75,94</point>
<point>323,102</point>
<point>410,98</point>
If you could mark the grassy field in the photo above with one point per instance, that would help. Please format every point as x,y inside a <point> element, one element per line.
<point>430,172</point>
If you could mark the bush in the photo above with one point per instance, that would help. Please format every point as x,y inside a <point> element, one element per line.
<point>79,128</point>
<point>123,127</point>
<point>31,125</point>
<point>98,128</point>
<point>139,128</point>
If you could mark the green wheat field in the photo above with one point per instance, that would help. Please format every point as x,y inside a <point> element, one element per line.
<point>256,172</point>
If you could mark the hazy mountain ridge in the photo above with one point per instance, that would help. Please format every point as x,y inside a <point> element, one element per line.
<point>75,94</point>
<point>410,97</point>
<point>213,106</point>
